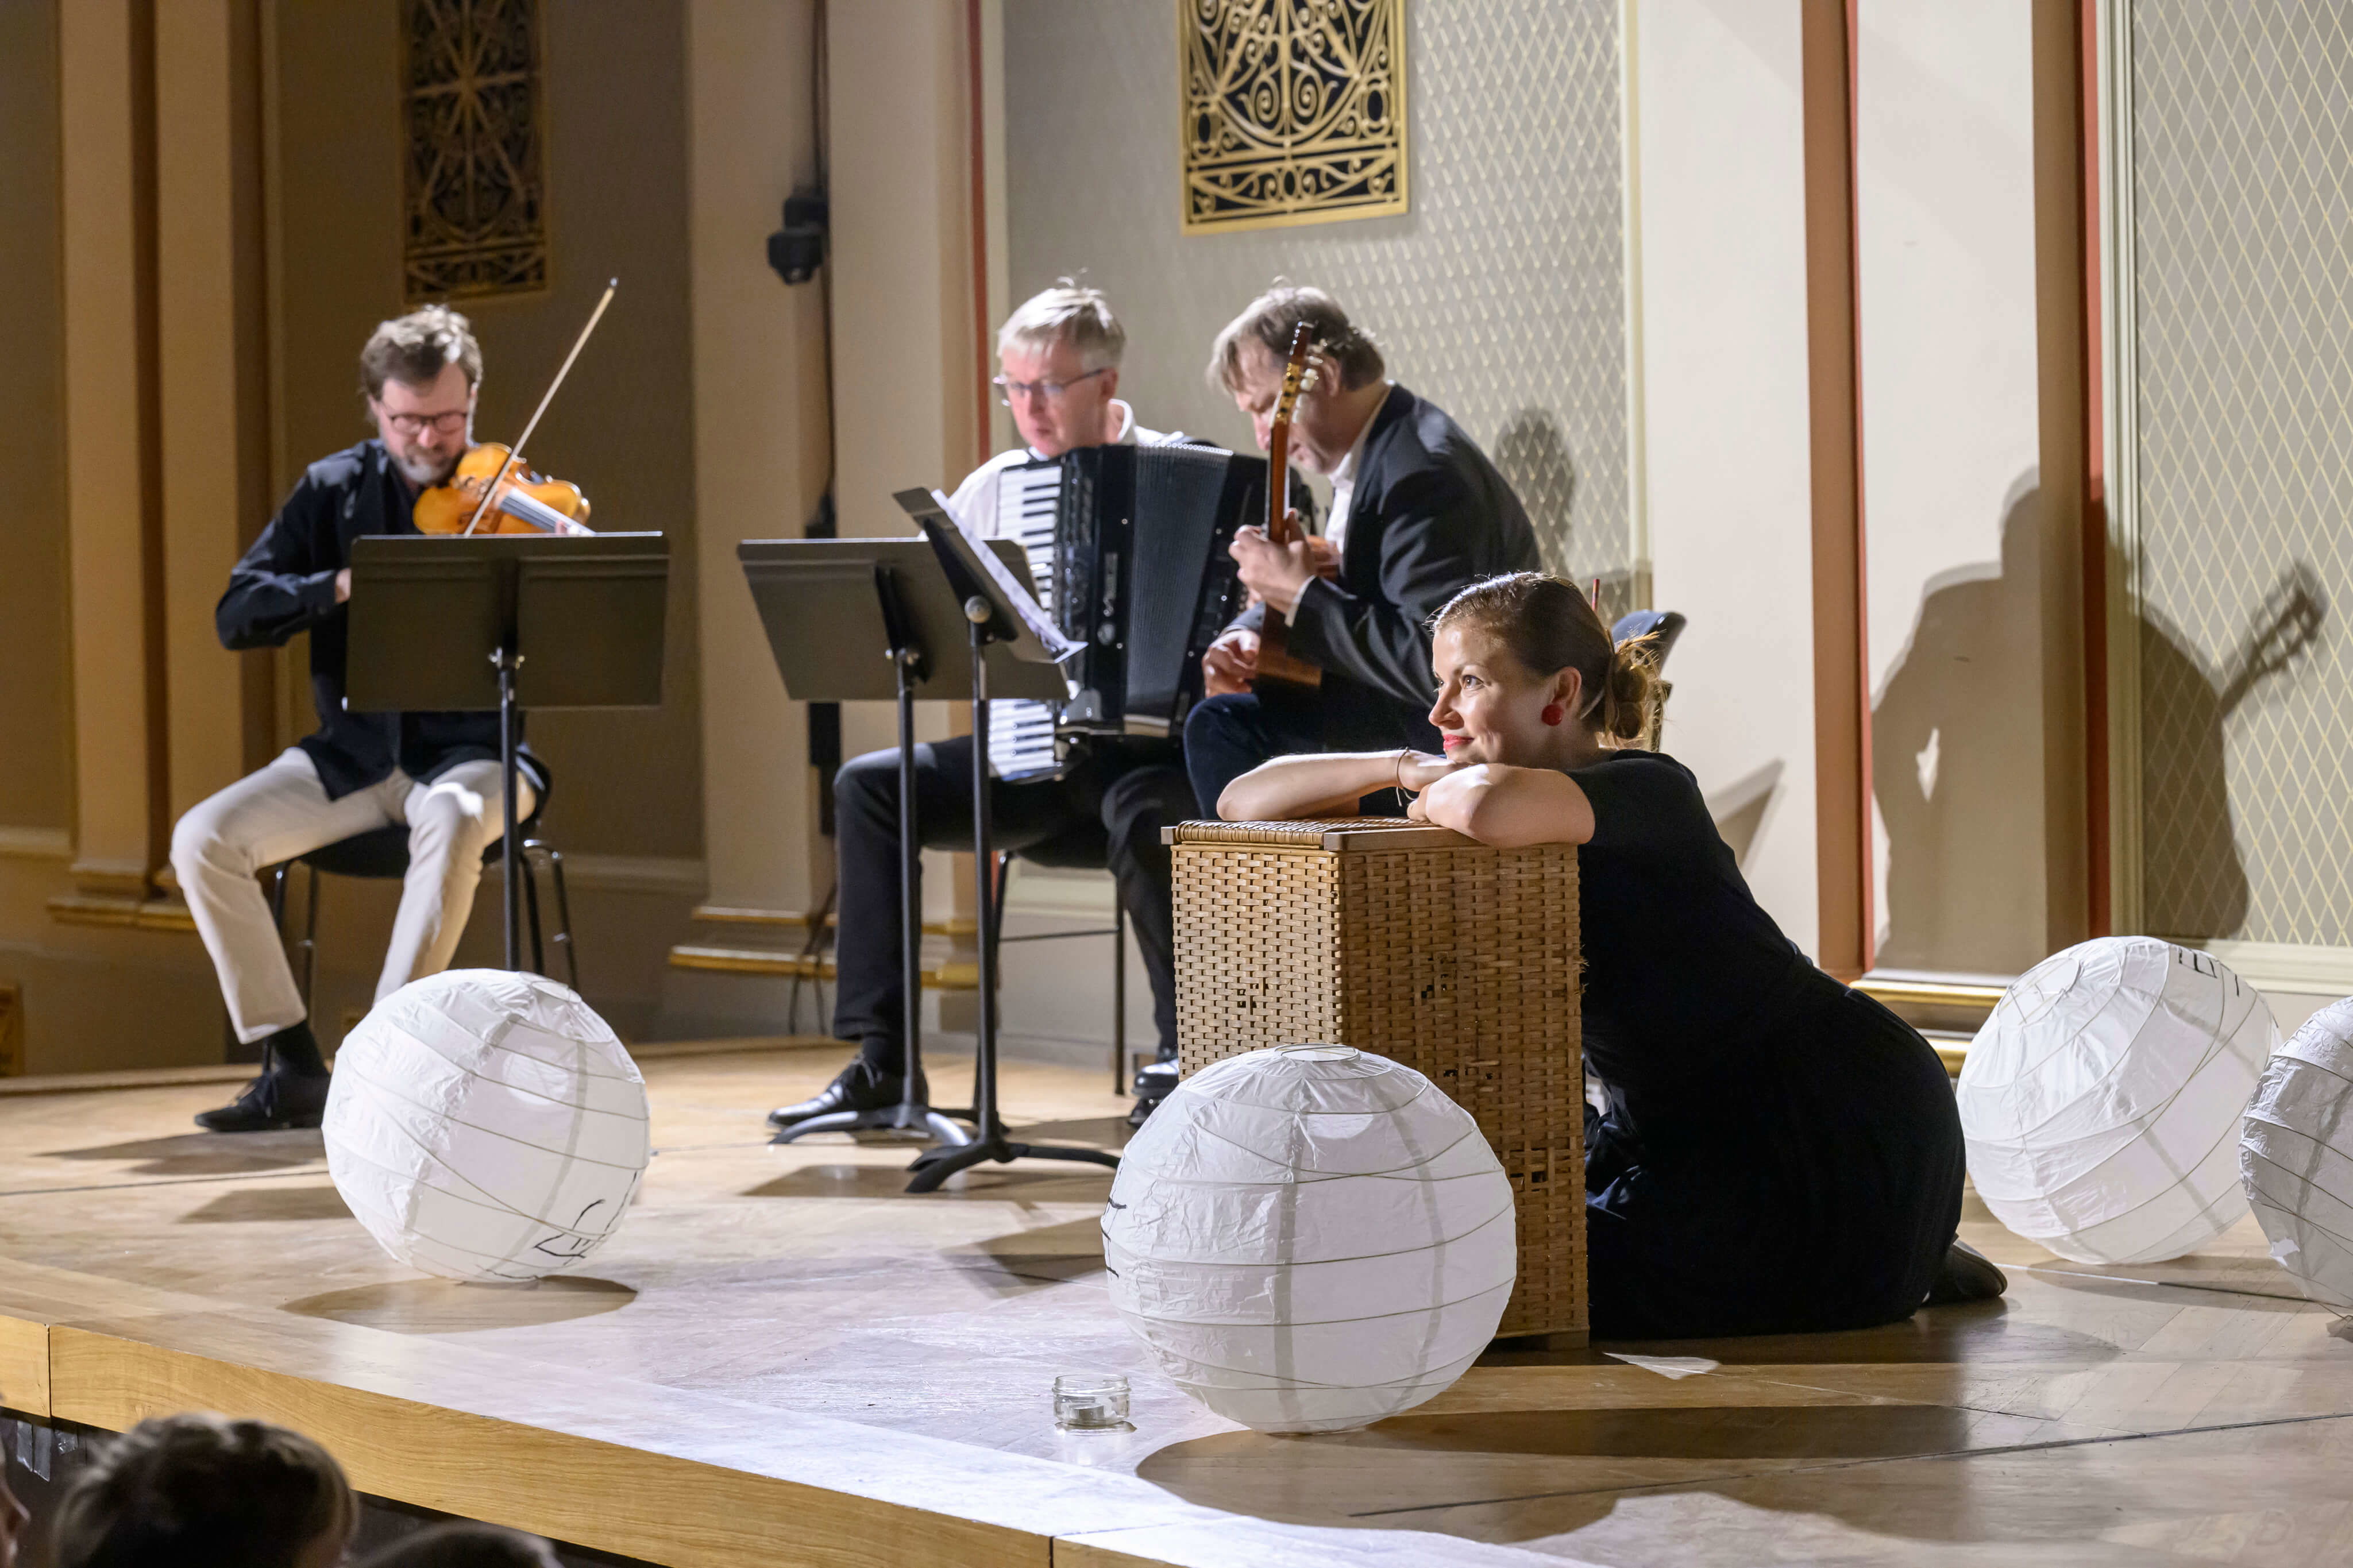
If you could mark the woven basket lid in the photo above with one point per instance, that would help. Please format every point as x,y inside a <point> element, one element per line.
<point>1325,832</point>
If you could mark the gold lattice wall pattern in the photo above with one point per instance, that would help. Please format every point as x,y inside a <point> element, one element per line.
<point>474,186</point>
<point>1294,110</point>
<point>2241,310</point>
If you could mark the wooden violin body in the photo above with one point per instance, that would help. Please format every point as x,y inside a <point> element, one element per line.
<point>1277,669</point>
<point>527,502</point>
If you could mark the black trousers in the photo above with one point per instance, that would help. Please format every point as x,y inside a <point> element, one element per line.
<point>1226,737</point>
<point>1106,810</point>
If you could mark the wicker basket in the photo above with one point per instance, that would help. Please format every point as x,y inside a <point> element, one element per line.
<point>1415,943</point>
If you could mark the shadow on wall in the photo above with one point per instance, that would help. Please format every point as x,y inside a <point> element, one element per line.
<point>1955,759</point>
<point>1534,460</point>
<point>1739,808</point>
<point>2192,881</point>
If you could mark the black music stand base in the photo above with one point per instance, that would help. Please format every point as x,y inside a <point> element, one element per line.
<point>934,1166</point>
<point>910,1115</point>
<point>920,1120</point>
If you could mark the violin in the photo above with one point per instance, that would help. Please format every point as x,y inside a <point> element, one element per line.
<point>1277,667</point>
<point>526,501</point>
<point>494,492</point>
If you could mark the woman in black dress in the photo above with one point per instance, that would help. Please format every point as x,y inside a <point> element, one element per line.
<point>1780,1153</point>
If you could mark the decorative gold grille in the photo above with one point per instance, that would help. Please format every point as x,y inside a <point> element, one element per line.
<point>1294,110</point>
<point>474,185</point>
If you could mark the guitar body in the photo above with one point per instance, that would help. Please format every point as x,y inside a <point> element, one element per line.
<point>1278,670</point>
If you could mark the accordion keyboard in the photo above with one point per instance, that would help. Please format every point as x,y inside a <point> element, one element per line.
<point>1021,732</point>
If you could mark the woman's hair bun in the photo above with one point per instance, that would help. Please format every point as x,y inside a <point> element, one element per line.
<point>1631,687</point>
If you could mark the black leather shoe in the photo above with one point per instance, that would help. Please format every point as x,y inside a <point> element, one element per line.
<point>1967,1274</point>
<point>1154,1083</point>
<point>278,1100</point>
<point>858,1087</point>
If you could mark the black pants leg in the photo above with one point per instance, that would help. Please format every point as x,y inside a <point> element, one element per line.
<point>868,1002</point>
<point>1226,737</point>
<point>1135,806</point>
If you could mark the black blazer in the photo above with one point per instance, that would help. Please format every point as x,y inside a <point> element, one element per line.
<point>1430,516</point>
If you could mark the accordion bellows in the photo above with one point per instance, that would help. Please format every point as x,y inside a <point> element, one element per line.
<point>1454,959</point>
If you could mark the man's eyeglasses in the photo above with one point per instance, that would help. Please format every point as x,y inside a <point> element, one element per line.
<point>1051,391</point>
<point>414,425</point>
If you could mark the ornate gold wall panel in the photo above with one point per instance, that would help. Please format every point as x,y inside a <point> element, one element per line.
<point>1293,111</point>
<point>2238,301</point>
<point>474,183</point>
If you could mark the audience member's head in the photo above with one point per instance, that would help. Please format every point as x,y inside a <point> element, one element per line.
<point>12,1518</point>
<point>464,1545</point>
<point>202,1491</point>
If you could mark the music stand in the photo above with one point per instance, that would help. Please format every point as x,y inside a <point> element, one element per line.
<point>506,623</point>
<point>992,619</point>
<point>828,605</point>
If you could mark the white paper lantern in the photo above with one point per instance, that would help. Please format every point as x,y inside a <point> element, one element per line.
<point>2296,1156</point>
<point>1310,1239</point>
<point>486,1126</point>
<point>2101,1101</point>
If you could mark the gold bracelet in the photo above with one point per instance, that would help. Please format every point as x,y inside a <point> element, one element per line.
<point>1399,776</point>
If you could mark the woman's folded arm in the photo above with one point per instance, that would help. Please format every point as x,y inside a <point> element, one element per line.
<point>1509,807</point>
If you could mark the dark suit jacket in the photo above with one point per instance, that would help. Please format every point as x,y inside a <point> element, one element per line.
<point>1429,517</point>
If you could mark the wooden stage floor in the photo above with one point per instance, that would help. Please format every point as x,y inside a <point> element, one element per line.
<point>783,1359</point>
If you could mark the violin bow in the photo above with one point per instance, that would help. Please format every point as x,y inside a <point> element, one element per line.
<point>514,453</point>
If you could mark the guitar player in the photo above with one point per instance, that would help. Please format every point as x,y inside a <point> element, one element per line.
<point>1418,514</point>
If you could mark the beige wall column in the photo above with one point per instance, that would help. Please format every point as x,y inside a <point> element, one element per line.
<point>760,433</point>
<point>215,430</point>
<point>906,381</point>
<point>1973,473</point>
<point>1717,111</point>
<point>113,512</point>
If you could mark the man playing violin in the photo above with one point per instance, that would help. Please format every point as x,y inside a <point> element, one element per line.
<point>436,775</point>
<point>1418,514</point>
<point>1060,355</point>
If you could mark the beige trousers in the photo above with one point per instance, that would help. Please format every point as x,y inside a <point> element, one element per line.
<point>222,844</point>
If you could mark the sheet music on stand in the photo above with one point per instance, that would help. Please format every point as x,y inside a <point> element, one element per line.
<point>1021,732</point>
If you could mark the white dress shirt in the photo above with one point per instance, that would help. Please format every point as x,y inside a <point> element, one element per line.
<point>1344,482</point>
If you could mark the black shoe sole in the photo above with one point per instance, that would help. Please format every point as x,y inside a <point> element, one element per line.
<point>275,1124</point>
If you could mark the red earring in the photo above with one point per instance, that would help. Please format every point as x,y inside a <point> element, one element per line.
<point>1554,713</point>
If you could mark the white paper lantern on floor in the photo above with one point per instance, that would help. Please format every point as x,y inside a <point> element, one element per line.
<point>486,1126</point>
<point>2102,1101</point>
<point>1310,1239</point>
<point>2296,1156</point>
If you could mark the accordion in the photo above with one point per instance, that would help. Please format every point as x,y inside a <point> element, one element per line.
<point>1128,547</point>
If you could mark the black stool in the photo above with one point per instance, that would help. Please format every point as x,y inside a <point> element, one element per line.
<point>382,855</point>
